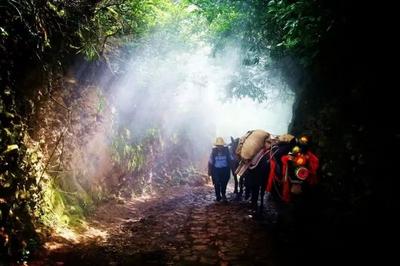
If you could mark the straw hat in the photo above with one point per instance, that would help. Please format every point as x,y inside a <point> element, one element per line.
<point>219,141</point>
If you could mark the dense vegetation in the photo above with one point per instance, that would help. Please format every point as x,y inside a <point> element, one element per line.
<point>39,41</point>
<point>315,44</point>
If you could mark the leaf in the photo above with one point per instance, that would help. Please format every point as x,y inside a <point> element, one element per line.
<point>3,32</point>
<point>8,132</point>
<point>11,148</point>
<point>9,115</point>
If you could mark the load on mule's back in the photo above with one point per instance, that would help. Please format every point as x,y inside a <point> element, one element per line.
<point>250,147</point>
<point>294,172</point>
<point>252,151</point>
<point>283,165</point>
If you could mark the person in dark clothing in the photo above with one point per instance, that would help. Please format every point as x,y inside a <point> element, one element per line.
<point>219,168</point>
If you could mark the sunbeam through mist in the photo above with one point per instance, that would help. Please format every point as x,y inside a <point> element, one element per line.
<point>176,88</point>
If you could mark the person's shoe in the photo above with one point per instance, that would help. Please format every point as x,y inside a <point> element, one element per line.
<point>224,198</point>
<point>218,199</point>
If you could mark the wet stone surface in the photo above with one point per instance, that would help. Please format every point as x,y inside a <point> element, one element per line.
<point>184,227</point>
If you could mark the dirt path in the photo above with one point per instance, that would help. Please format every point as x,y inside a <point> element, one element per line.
<point>184,227</point>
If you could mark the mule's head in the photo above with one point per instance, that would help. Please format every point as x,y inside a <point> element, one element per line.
<point>233,145</point>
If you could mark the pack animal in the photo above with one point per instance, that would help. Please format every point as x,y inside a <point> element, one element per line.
<point>238,190</point>
<point>257,170</point>
<point>253,152</point>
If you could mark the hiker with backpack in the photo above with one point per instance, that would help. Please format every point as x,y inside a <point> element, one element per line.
<point>220,167</point>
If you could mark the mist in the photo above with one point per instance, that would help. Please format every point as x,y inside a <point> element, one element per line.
<point>181,88</point>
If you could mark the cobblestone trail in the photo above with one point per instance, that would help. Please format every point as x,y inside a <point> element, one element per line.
<point>185,227</point>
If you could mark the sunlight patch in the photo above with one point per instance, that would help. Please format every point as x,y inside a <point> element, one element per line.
<point>75,237</point>
<point>93,232</point>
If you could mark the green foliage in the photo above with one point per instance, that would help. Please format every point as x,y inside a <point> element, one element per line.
<point>280,27</point>
<point>267,32</point>
<point>41,26</point>
<point>295,27</point>
<point>20,191</point>
<point>61,208</point>
<point>131,157</point>
<point>35,36</point>
<point>116,22</point>
<point>32,200</point>
<point>127,154</point>
<point>224,18</point>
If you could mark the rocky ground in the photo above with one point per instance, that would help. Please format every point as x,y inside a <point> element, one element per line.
<point>181,227</point>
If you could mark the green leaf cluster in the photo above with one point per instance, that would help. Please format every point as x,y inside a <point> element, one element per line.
<point>277,27</point>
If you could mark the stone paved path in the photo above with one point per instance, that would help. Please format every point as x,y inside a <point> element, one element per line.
<point>184,227</point>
